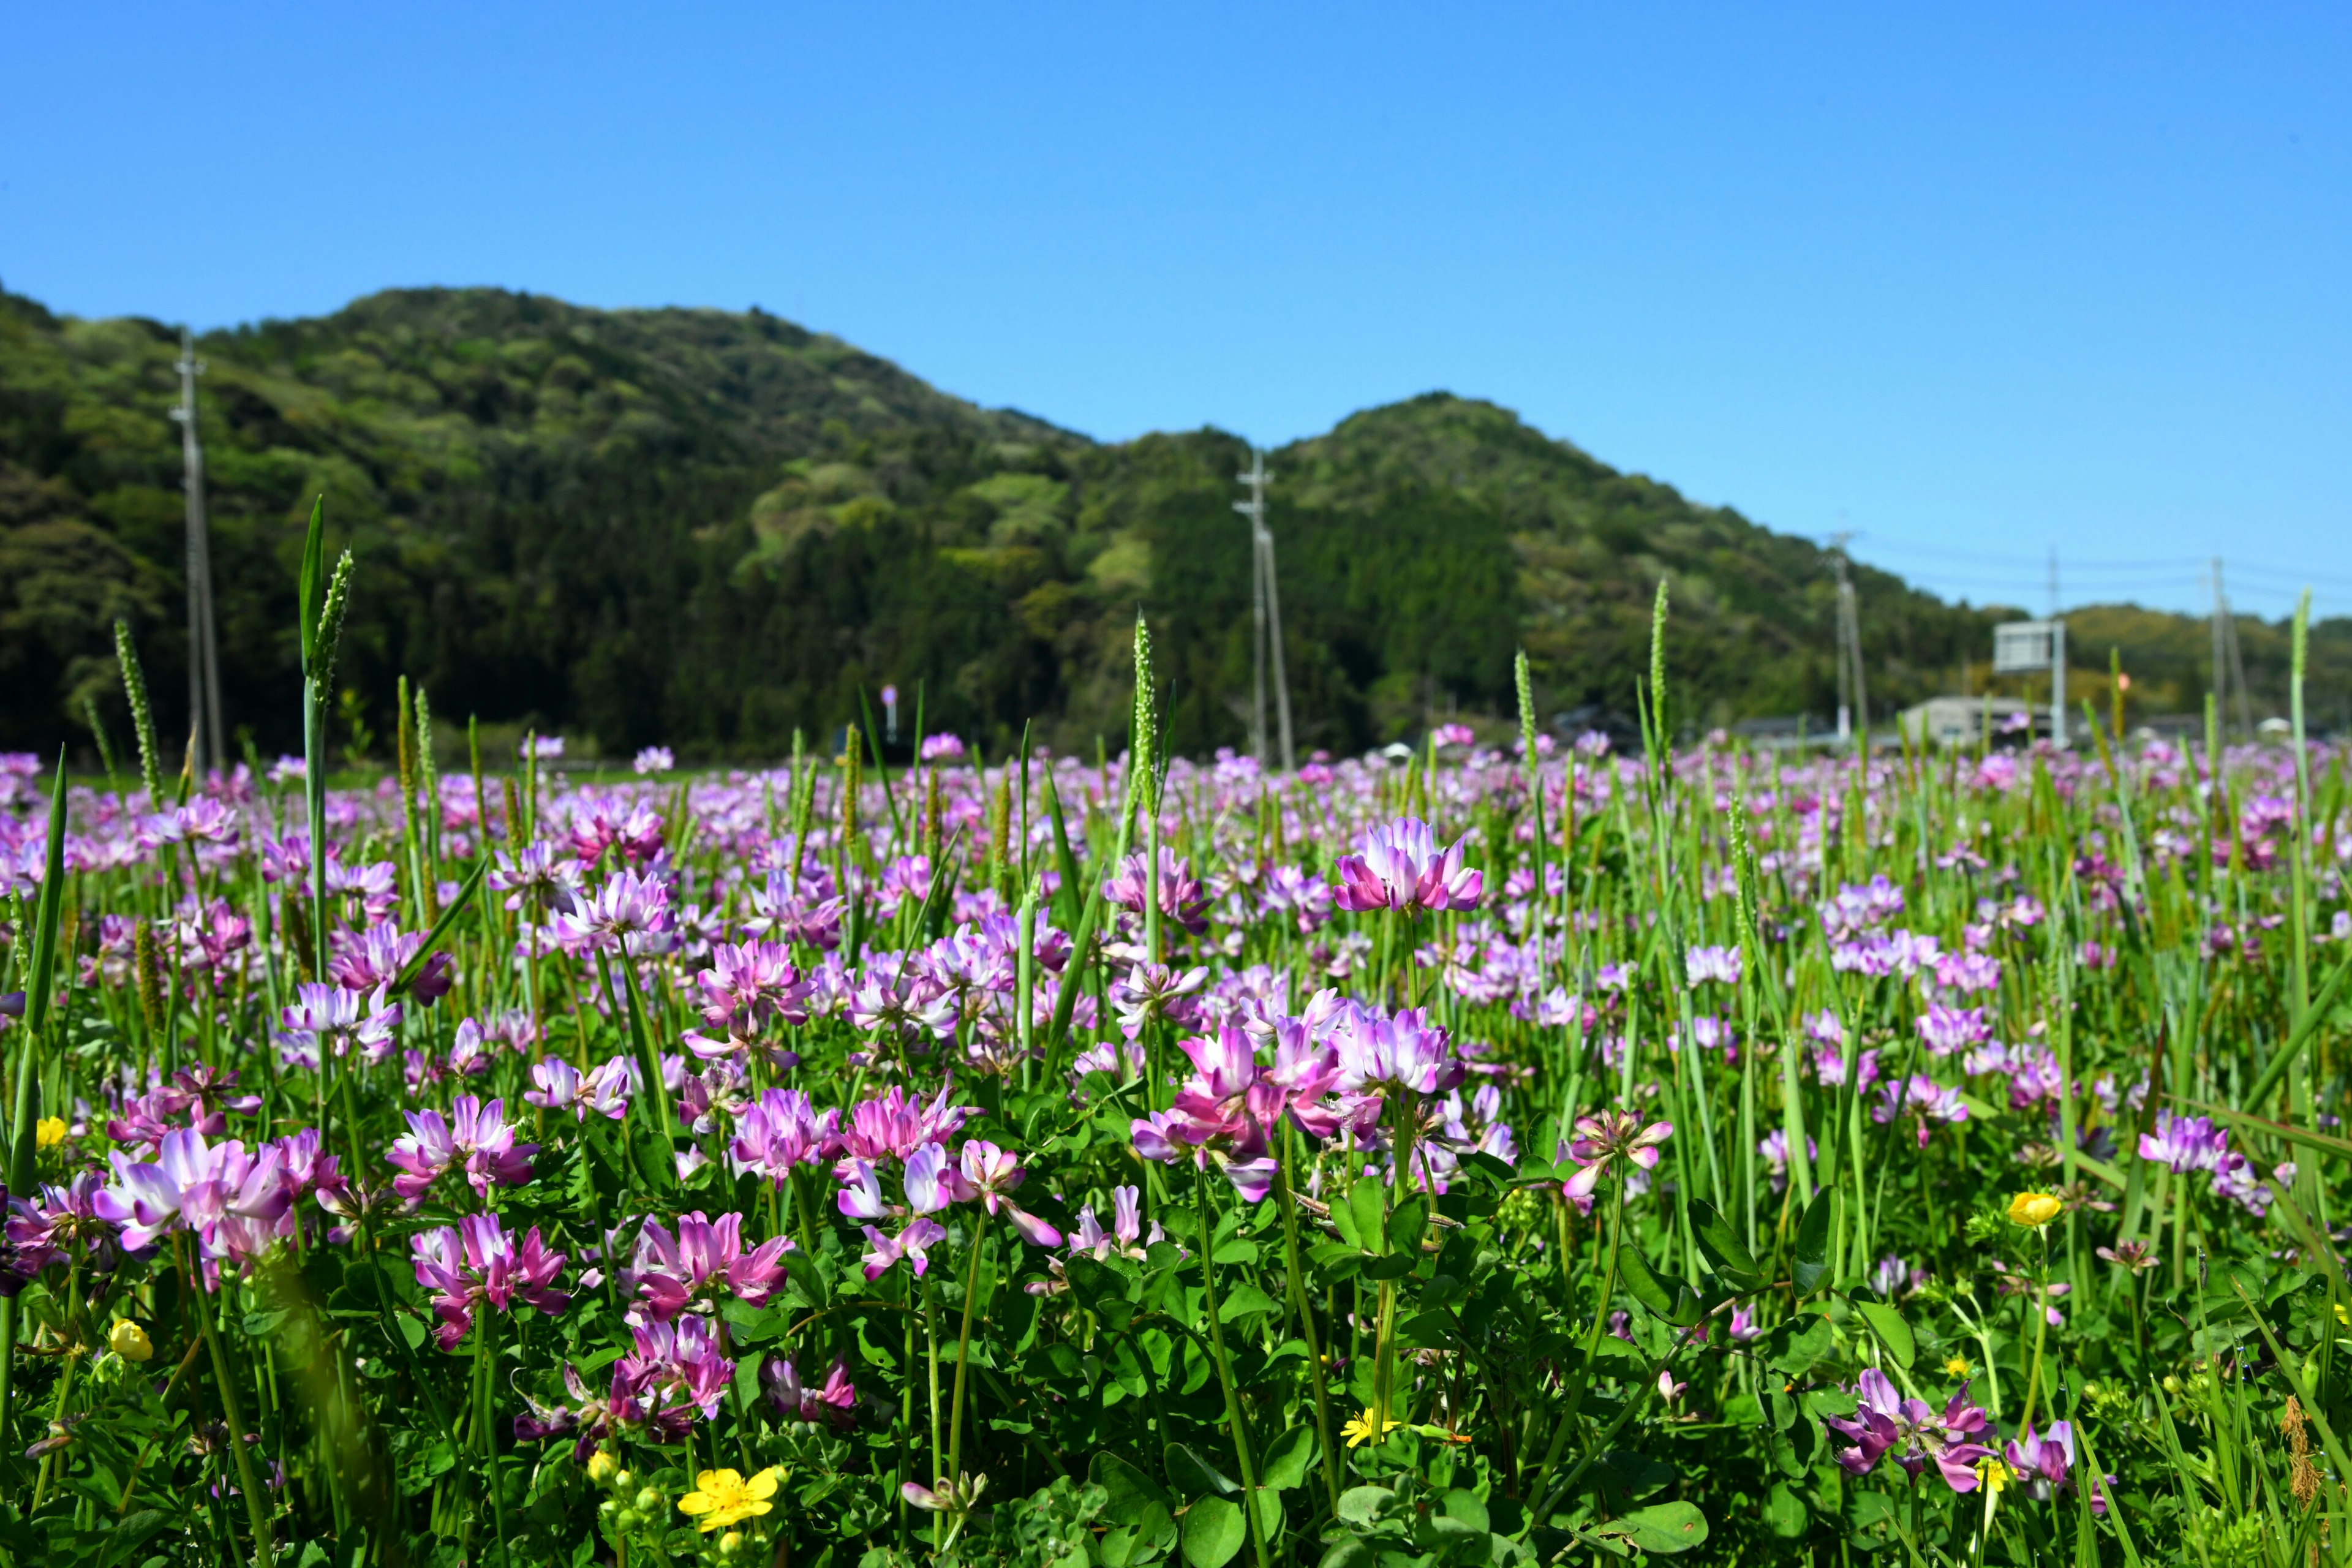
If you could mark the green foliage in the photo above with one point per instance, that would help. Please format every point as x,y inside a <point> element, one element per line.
<point>708,530</point>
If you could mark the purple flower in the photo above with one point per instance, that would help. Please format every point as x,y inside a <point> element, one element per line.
<point>991,1172</point>
<point>2185,1142</point>
<point>1884,1422</point>
<point>481,1135</point>
<point>833,1403</point>
<point>1716,964</point>
<point>781,1130</point>
<point>1180,899</point>
<point>27,1245</point>
<point>620,914</point>
<point>913,1243</point>
<point>1398,1052</point>
<point>748,983</point>
<point>1402,869</point>
<point>705,1255</point>
<point>476,1261</point>
<point>212,1190</point>
<point>1602,1138</point>
<point>1944,1030</point>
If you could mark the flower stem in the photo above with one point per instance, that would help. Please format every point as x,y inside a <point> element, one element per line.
<point>1283,1201</point>
<point>1226,1369</point>
<point>963,1348</point>
<point>256,1507</point>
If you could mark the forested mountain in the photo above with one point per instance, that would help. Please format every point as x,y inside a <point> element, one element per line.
<point>708,529</point>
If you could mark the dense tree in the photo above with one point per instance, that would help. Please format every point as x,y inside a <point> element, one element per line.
<point>710,528</point>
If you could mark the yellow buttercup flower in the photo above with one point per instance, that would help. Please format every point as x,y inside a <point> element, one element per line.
<point>1958,1366</point>
<point>1994,1474</point>
<point>1366,1428</point>
<point>49,1131</point>
<point>2034,1210</point>
<point>129,1341</point>
<point>724,1497</point>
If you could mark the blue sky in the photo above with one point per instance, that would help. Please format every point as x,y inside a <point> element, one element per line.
<point>1970,280</point>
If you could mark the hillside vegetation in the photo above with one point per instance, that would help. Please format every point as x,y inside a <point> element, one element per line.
<point>709,529</point>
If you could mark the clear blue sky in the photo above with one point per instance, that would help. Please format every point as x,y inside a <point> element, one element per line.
<point>1969,279</point>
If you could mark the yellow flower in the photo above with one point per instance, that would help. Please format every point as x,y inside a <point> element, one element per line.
<point>49,1131</point>
<point>2342,1316</point>
<point>724,1497</point>
<point>129,1341</point>
<point>1366,1428</point>
<point>1994,1474</point>
<point>1958,1366</point>
<point>603,1466</point>
<point>2034,1210</point>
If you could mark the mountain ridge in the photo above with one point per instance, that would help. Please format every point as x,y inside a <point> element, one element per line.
<point>711,528</point>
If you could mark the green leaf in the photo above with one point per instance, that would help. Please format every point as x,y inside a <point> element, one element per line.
<point>311,585</point>
<point>1633,1476</point>
<point>1287,1459</point>
<point>1427,1330</point>
<point>1892,1330</point>
<point>1784,1512</point>
<point>1662,1294</point>
<point>1464,1508</point>
<point>1387,1265</point>
<point>423,954</point>
<point>1192,1475</point>
<point>807,1277</point>
<point>1363,1505</point>
<point>1347,1551</point>
<point>1339,1259</point>
<point>1213,1533</point>
<point>1812,1256</point>
<point>1135,1498</point>
<point>1797,1344</point>
<point>1406,1224</point>
<point>1244,1302</point>
<point>1720,1244</point>
<point>1663,1528</point>
<point>1363,1209</point>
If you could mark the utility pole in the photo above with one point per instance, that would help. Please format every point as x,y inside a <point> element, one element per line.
<point>1853,707</point>
<point>204,653</point>
<point>1265,616</point>
<point>2057,661</point>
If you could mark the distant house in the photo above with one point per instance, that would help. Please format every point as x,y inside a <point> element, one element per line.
<point>1961,721</point>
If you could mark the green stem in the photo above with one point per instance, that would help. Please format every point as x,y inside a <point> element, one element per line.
<point>964,1350</point>
<point>257,1506</point>
<point>1299,1302</point>
<point>1224,1368</point>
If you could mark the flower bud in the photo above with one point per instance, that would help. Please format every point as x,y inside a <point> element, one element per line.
<point>649,1500</point>
<point>731,1543</point>
<point>603,1466</point>
<point>129,1341</point>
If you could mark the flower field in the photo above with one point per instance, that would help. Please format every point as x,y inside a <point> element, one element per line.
<point>1525,1153</point>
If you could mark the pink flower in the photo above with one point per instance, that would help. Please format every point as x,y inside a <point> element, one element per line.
<point>1884,1422</point>
<point>912,1243</point>
<point>992,1173</point>
<point>208,1189</point>
<point>834,1403</point>
<point>706,1255</point>
<point>1403,1052</point>
<point>1602,1138</point>
<point>781,1130</point>
<point>1401,869</point>
<point>476,1261</point>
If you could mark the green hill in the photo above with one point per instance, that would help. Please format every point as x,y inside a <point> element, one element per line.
<point>708,529</point>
